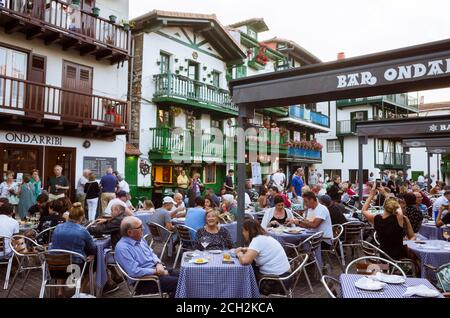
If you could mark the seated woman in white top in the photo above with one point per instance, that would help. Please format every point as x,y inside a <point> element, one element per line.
<point>277,215</point>
<point>265,251</point>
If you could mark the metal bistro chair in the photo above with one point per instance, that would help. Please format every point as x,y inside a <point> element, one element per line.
<point>60,265</point>
<point>352,235</point>
<point>443,277</point>
<point>309,247</point>
<point>372,250</point>
<point>159,234</point>
<point>187,242</point>
<point>371,267</point>
<point>336,246</point>
<point>135,283</point>
<point>332,286</point>
<point>45,237</point>
<point>375,238</point>
<point>287,283</point>
<point>27,253</point>
<point>6,259</point>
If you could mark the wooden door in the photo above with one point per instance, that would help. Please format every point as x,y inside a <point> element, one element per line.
<point>66,158</point>
<point>76,78</point>
<point>35,100</point>
<point>88,21</point>
<point>38,10</point>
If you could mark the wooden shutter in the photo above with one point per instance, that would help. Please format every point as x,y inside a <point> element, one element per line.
<point>36,93</point>
<point>77,78</point>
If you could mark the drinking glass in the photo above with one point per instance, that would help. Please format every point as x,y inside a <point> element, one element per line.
<point>446,234</point>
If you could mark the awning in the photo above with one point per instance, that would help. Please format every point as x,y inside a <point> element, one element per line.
<point>426,142</point>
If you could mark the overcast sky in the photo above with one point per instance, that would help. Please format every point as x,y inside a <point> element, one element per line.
<point>326,27</point>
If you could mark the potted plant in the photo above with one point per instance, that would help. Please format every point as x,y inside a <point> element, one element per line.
<point>110,112</point>
<point>176,60</point>
<point>112,18</point>
<point>95,11</point>
<point>76,2</point>
<point>126,25</point>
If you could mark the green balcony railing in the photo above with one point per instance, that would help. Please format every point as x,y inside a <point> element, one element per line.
<point>401,100</point>
<point>206,96</point>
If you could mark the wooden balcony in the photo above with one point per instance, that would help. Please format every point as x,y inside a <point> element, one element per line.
<point>403,101</point>
<point>38,107</point>
<point>183,91</point>
<point>54,21</point>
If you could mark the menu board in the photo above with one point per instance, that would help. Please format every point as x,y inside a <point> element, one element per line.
<point>98,165</point>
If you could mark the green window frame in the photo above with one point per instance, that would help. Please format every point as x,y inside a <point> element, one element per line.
<point>252,33</point>
<point>164,118</point>
<point>165,63</point>
<point>241,71</point>
<point>216,78</point>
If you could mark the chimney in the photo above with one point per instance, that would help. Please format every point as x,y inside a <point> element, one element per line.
<point>341,56</point>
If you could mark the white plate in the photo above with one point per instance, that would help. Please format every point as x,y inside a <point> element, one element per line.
<point>215,252</point>
<point>294,230</point>
<point>390,279</point>
<point>200,261</point>
<point>369,284</point>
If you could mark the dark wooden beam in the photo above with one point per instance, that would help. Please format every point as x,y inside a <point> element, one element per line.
<point>66,45</point>
<point>88,49</point>
<point>35,32</point>
<point>105,53</point>
<point>14,26</point>
<point>52,38</point>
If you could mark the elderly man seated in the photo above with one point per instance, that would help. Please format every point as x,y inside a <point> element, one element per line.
<point>179,208</point>
<point>138,260</point>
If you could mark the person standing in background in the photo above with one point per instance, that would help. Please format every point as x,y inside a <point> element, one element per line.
<point>10,190</point>
<point>81,195</point>
<point>109,185</point>
<point>183,182</point>
<point>297,183</point>
<point>229,182</point>
<point>36,183</point>
<point>57,185</point>
<point>26,197</point>
<point>123,185</point>
<point>92,192</point>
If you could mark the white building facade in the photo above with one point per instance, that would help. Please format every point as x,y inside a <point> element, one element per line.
<point>64,86</point>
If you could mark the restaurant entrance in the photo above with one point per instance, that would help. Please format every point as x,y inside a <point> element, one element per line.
<point>22,159</point>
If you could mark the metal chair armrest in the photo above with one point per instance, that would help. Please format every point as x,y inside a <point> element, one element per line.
<point>434,269</point>
<point>147,278</point>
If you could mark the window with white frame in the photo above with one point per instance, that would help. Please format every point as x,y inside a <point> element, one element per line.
<point>333,146</point>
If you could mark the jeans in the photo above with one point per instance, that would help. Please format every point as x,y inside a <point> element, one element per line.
<point>92,208</point>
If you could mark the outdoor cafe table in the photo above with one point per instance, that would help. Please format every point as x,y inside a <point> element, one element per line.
<point>295,239</point>
<point>349,290</point>
<point>436,257</point>
<point>431,231</point>
<point>216,280</point>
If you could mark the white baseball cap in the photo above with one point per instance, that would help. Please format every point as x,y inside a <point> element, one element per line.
<point>168,200</point>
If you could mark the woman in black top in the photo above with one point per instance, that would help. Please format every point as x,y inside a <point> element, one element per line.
<point>218,237</point>
<point>412,212</point>
<point>92,190</point>
<point>389,226</point>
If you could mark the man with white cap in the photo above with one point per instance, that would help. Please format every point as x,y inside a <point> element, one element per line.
<point>162,215</point>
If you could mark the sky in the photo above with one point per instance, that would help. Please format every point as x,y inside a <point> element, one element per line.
<point>326,27</point>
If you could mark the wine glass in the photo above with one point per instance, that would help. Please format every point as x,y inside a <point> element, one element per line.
<point>446,234</point>
<point>205,242</point>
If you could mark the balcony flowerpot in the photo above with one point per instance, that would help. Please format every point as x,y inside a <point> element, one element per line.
<point>126,27</point>
<point>117,120</point>
<point>30,5</point>
<point>112,18</point>
<point>95,11</point>
<point>76,2</point>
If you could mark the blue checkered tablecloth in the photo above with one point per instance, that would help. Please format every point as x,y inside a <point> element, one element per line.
<point>216,280</point>
<point>349,290</point>
<point>101,275</point>
<point>431,231</point>
<point>435,258</point>
<point>296,239</point>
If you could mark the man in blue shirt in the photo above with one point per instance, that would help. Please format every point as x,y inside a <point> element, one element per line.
<point>196,217</point>
<point>297,183</point>
<point>138,260</point>
<point>109,184</point>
